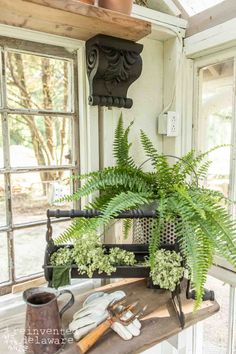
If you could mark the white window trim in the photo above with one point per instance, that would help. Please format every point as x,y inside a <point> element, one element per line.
<point>211,59</point>
<point>88,132</point>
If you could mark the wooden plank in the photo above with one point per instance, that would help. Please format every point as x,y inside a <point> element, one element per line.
<point>71,18</point>
<point>28,284</point>
<point>160,321</point>
<point>184,13</point>
<point>166,6</point>
<point>157,17</point>
<point>215,39</point>
<point>211,17</point>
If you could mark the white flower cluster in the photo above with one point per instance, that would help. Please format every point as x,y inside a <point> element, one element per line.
<point>167,270</point>
<point>89,256</point>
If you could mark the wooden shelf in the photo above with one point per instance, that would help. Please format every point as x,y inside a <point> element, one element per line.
<point>160,321</point>
<point>71,18</point>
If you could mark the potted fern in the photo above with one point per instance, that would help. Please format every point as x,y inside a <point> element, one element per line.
<point>203,227</point>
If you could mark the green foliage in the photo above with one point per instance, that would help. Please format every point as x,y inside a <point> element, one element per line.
<point>203,225</point>
<point>167,270</point>
<point>121,257</point>
<point>89,256</point>
<point>121,145</point>
<point>62,257</point>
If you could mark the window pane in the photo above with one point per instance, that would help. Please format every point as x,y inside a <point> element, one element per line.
<point>2,202</point>
<point>30,245</point>
<point>33,193</point>
<point>215,330</point>
<point>40,140</point>
<point>215,121</point>
<point>39,83</point>
<point>29,250</point>
<point>1,145</point>
<point>4,275</point>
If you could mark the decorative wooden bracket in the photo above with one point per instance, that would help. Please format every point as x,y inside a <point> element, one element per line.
<point>113,64</point>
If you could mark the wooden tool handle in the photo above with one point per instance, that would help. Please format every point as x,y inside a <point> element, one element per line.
<point>88,341</point>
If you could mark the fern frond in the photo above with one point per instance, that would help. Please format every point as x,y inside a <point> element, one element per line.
<point>78,228</point>
<point>157,230</point>
<point>149,148</point>
<point>124,201</point>
<point>120,177</point>
<point>127,225</point>
<point>121,145</point>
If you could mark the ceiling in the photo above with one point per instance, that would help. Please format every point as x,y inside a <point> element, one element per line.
<point>193,7</point>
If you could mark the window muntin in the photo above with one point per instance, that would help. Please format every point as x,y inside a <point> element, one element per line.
<point>41,105</point>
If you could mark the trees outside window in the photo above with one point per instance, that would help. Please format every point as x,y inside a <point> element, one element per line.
<point>39,132</point>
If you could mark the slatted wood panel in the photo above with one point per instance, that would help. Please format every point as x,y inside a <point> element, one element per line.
<point>160,321</point>
<point>71,18</point>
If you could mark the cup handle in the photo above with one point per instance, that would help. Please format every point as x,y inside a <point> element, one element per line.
<point>69,303</point>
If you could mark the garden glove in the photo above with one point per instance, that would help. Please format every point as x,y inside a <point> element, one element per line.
<point>94,312</point>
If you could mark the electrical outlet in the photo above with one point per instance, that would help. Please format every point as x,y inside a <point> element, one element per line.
<point>162,124</point>
<point>168,124</point>
<point>172,123</point>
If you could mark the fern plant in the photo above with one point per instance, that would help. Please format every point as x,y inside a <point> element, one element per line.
<point>204,226</point>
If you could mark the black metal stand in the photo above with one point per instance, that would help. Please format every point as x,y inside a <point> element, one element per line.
<point>141,251</point>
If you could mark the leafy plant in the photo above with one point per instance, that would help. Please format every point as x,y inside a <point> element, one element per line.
<point>89,256</point>
<point>203,225</point>
<point>167,270</point>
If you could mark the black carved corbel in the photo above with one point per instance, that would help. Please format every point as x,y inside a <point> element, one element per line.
<point>113,64</point>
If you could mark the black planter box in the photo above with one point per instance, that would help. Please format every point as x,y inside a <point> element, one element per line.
<point>138,271</point>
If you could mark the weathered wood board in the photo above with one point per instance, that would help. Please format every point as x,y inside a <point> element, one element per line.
<point>71,18</point>
<point>159,323</point>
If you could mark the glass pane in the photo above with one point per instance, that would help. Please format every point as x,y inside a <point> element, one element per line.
<point>215,121</point>
<point>40,140</point>
<point>215,330</point>
<point>33,193</point>
<point>29,250</point>
<point>2,202</point>
<point>1,145</point>
<point>30,245</point>
<point>4,275</point>
<point>59,227</point>
<point>38,82</point>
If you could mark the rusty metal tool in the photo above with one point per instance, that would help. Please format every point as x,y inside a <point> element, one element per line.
<point>115,315</point>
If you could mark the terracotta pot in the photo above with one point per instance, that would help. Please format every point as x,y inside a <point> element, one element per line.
<point>90,2</point>
<point>124,6</point>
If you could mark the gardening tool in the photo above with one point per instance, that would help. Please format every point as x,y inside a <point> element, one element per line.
<point>118,314</point>
<point>94,312</point>
<point>43,329</point>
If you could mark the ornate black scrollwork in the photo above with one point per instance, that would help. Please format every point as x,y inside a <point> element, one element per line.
<point>113,64</point>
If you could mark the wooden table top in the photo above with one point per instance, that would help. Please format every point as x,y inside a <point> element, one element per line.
<point>159,323</point>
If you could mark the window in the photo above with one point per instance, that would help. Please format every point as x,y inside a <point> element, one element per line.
<point>215,124</point>
<point>196,6</point>
<point>38,136</point>
<point>215,121</point>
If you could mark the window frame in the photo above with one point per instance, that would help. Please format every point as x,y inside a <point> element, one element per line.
<point>220,264</point>
<point>50,51</point>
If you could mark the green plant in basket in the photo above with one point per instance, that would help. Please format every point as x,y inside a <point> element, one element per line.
<point>203,224</point>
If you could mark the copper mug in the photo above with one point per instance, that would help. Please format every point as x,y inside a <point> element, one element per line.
<point>43,327</point>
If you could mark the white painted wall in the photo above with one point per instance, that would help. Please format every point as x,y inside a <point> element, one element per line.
<point>147,94</point>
